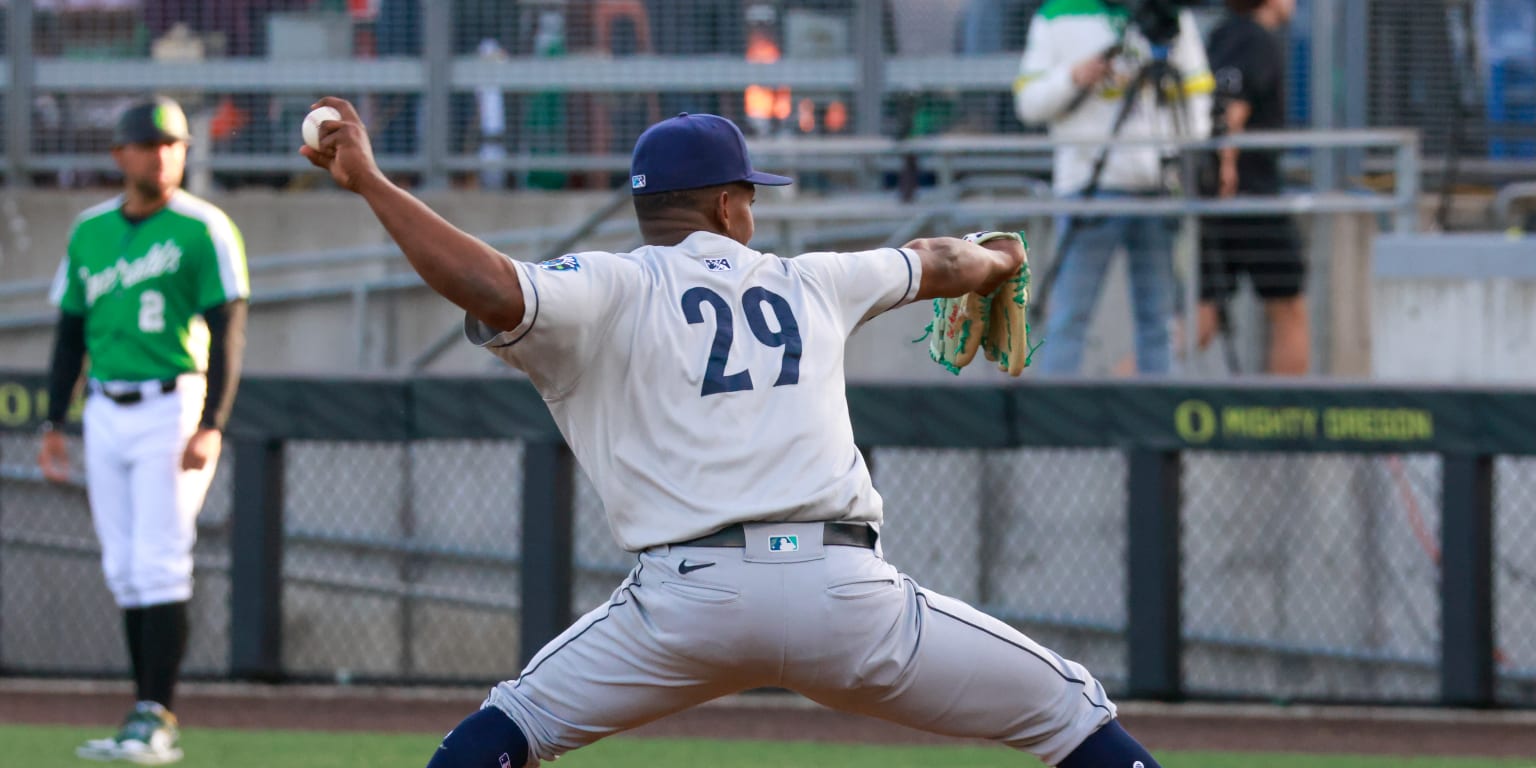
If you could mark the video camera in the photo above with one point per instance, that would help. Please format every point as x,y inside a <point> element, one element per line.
<point>1157,20</point>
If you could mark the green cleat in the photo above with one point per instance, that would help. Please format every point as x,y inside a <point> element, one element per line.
<point>148,736</point>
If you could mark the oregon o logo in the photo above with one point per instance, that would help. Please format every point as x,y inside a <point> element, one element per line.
<point>1195,421</point>
<point>15,404</point>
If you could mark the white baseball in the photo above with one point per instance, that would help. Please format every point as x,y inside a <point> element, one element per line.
<point>312,121</point>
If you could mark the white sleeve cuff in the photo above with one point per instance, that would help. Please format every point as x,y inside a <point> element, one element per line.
<point>482,335</point>
<point>915,276</point>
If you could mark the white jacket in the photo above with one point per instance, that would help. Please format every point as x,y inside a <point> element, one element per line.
<point>1066,32</point>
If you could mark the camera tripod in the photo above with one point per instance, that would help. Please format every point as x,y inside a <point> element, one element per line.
<point>1168,85</point>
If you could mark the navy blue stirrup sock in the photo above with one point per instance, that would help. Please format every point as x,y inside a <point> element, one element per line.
<point>486,739</point>
<point>1109,747</point>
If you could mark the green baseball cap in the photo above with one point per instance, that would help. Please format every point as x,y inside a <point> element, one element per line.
<point>156,120</point>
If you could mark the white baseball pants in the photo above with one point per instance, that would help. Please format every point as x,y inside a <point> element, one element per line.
<point>143,504</point>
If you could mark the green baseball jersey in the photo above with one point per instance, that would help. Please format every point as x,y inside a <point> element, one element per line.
<point>142,286</point>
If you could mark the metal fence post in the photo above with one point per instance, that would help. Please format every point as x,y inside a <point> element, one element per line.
<point>1325,23</point>
<point>256,560</point>
<point>1353,62</point>
<point>1408,182</point>
<point>548,512</point>
<point>437,60</point>
<point>18,97</point>
<point>1188,246</point>
<point>869,46</point>
<point>4,670</point>
<point>1466,580</point>
<point>1153,613</point>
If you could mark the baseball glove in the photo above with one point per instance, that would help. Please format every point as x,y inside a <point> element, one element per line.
<point>996,324</point>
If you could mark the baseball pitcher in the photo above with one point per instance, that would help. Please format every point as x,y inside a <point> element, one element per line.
<point>700,384</point>
<point>153,290</point>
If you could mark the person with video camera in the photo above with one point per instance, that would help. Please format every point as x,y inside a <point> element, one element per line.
<point>1249,63</point>
<point>1112,69</point>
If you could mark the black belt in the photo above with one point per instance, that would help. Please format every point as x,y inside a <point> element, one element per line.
<point>133,395</point>
<point>834,534</point>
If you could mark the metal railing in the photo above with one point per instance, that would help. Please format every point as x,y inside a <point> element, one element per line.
<point>1350,77</point>
<point>971,189</point>
<point>864,70</point>
<point>950,159</point>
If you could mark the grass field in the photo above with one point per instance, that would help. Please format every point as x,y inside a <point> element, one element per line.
<point>53,747</point>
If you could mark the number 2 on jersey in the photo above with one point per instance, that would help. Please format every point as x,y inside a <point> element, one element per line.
<point>716,380</point>
<point>151,311</point>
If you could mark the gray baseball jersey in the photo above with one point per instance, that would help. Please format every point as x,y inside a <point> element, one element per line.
<point>702,385</point>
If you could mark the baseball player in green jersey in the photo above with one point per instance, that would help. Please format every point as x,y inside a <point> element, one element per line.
<point>699,383</point>
<point>153,289</point>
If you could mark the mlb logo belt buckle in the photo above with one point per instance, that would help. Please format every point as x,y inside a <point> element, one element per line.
<point>783,542</point>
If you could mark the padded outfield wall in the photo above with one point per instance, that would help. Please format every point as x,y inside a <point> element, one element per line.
<point>1336,543</point>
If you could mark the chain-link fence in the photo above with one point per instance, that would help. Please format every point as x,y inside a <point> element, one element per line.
<point>1034,537</point>
<point>486,89</point>
<point>400,563</point>
<point>56,615</point>
<point>1515,574</point>
<point>1322,584</point>
<point>1306,576</point>
<point>1464,72</point>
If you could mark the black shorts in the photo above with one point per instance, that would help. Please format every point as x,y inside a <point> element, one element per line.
<point>1266,247</point>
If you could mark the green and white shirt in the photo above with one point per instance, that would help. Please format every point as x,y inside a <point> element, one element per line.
<point>142,286</point>
<point>1066,32</point>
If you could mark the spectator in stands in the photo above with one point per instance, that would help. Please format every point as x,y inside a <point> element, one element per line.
<point>1249,63</point>
<point>986,27</point>
<point>398,33</point>
<point>241,122</point>
<point>698,28</point>
<point>487,29</point>
<point>1079,56</point>
<point>242,22</point>
<point>993,26</point>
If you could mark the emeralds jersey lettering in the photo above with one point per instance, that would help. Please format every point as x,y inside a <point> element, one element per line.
<point>162,258</point>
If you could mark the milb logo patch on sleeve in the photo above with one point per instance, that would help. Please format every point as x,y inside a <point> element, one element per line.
<point>567,263</point>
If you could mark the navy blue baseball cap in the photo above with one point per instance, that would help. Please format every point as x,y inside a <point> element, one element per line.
<point>693,151</point>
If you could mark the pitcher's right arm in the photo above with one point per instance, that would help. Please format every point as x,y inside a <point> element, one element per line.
<point>457,265</point>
